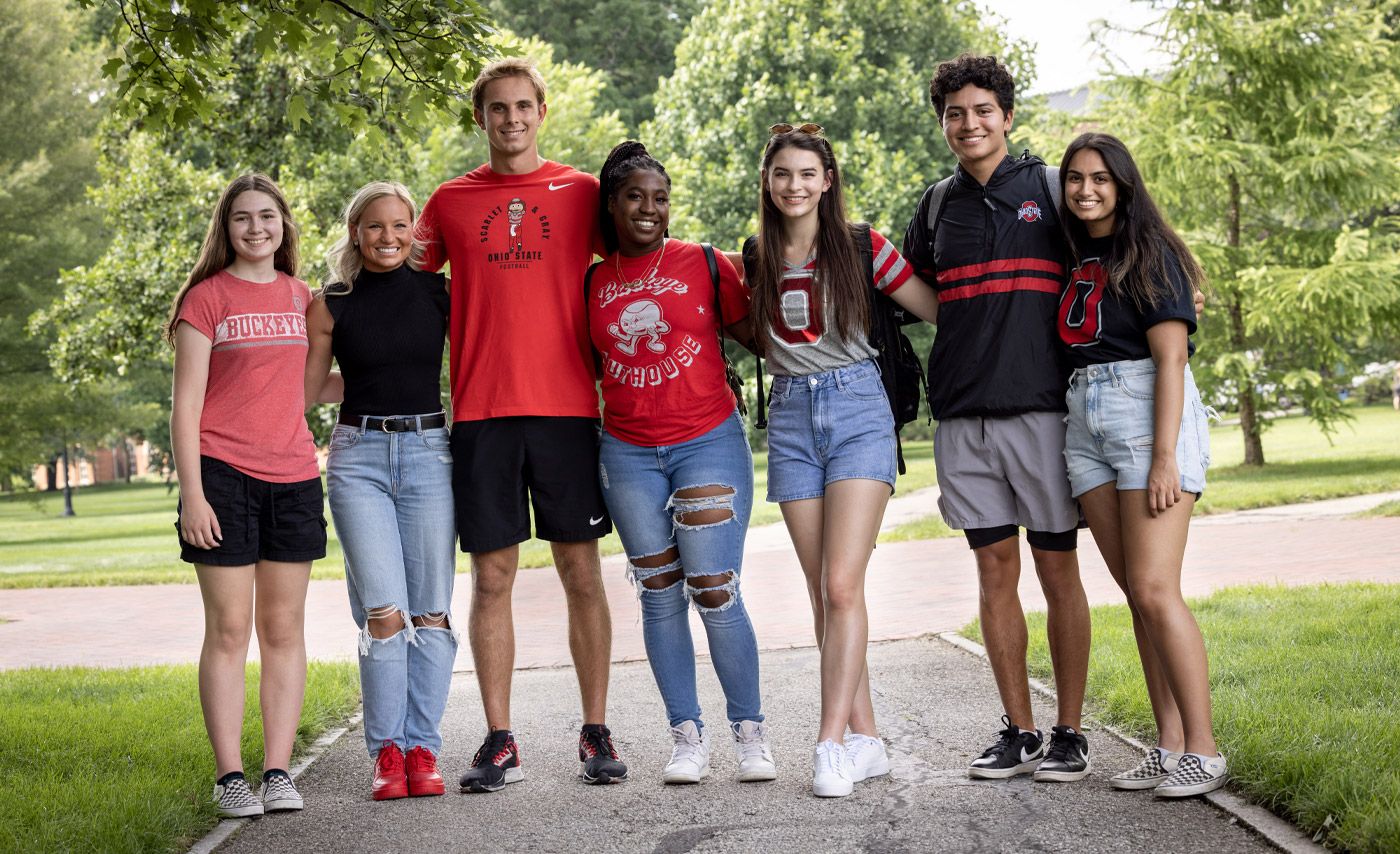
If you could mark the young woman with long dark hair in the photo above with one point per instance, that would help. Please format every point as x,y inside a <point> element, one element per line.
<point>1137,446</point>
<point>831,435</point>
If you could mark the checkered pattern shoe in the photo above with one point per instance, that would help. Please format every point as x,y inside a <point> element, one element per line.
<point>1194,775</point>
<point>1150,772</point>
<point>278,793</point>
<point>233,798</point>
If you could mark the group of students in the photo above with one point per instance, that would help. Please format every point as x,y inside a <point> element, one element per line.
<point>1031,275</point>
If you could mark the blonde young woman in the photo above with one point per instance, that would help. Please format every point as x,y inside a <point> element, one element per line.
<point>390,479</point>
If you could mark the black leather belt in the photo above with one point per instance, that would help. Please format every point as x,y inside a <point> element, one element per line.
<point>401,424</point>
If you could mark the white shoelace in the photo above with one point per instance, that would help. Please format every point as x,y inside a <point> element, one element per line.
<point>753,745</point>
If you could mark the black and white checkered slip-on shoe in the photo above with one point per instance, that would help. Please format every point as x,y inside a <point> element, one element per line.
<point>1194,775</point>
<point>1149,773</point>
<point>278,793</point>
<point>233,798</point>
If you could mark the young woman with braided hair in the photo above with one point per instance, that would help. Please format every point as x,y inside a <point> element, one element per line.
<point>675,465</point>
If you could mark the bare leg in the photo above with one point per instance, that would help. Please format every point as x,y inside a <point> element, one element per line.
<point>804,520</point>
<point>491,630</point>
<point>1153,549</point>
<point>1004,626</point>
<point>590,624</point>
<point>1101,509</point>
<point>1067,627</point>
<point>281,621</point>
<point>228,623</point>
<point>853,510</point>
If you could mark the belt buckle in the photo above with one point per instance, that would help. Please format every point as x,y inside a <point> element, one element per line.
<point>384,425</point>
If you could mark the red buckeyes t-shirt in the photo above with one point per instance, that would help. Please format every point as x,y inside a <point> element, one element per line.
<point>656,329</point>
<point>518,246</point>
<point>254,403</point>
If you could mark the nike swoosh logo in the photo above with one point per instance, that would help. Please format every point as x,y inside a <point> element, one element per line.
<point>553,186</point>
<point>1026,757</point>
<point>593,521</point>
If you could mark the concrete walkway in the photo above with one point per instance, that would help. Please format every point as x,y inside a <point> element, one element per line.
<point>913,588</point>
<point>936,704</point>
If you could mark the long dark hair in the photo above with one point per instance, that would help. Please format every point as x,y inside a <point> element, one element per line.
<point>625,158</point>
<point>217,251</point>
<point>1138,265</point>
<point>838,282</point>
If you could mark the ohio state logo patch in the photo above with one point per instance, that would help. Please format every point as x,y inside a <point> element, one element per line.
<point>1029,212</point>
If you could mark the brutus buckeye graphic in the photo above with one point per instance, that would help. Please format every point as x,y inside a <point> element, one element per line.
<point>640,319</point>
<point>515,216</point>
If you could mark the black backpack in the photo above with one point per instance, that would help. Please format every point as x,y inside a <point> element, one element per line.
<point>901,370</point>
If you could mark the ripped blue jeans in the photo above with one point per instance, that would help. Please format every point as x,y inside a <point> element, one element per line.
<point>683,510</point>
<point>391,498</point>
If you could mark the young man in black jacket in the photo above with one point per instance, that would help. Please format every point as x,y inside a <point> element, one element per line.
<point>989,239</point>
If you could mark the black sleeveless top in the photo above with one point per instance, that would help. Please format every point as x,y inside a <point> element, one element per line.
<point>387,339</point>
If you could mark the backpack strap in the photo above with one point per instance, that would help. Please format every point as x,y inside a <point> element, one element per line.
<point>1050,177</point>
<point>938,197</point>
<point>587,290</point>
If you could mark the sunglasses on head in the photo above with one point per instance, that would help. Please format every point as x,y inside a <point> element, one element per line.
<point>809,128</point>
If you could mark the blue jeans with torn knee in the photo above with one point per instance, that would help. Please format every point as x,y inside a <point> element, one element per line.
<point>640,486</point>
<point>391,499</point>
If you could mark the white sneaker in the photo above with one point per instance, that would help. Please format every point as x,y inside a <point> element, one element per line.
<point>831,777</point>
<point>690,755</point>
<point>751,746</point>
<point>868,757</point>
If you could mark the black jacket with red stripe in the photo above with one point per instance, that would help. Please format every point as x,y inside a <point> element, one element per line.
<point>997,260</point>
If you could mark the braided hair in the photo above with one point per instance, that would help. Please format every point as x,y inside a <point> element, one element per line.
<point>625,158</point>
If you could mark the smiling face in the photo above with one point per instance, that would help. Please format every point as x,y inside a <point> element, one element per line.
<point>255,227</point>
<point>975,126</point>
<point>796,182</point>
<point>1091,193</point>
<point>511,114</point>
<point>384,234</point>
<point>641,210</point>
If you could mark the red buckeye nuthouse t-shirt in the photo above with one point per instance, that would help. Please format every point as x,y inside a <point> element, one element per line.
<point>663,371</point>
<point>518,246</point>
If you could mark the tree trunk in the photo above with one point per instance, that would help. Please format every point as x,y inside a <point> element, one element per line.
<point>51,469</point>
<point>67,483</point>
<point>1249,410</point>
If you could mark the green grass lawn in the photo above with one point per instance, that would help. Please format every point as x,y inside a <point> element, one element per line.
<point>1390,508</point>
<point>1306,690</point>
<point>117,760</point>
<point>124,534</point>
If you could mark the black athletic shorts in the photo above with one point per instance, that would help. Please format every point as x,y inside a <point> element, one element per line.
<point>501,467</point>
<point>259,520</point>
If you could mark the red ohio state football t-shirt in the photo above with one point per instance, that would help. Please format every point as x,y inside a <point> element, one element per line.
<point>663,372</point>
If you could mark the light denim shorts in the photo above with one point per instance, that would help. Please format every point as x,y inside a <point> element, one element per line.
<point>1110,433</point>
<point>829,426</point>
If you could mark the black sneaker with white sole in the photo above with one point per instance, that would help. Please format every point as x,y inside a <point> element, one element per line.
<point>497,762</point>
<point>1014,752</point>
<point>234,799</point>
<point>1066,759</point>
<point>600,763</point>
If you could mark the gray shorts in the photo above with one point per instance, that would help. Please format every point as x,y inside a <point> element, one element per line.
<point>1004,471</point>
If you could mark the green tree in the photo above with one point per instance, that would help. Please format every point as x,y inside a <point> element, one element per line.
<point>632,42</point>
<point>1272,140</point>
<point>171,58</point>
<point>858,67</point>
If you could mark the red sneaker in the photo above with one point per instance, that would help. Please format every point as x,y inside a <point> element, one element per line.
<point>390,782</point>
<point>423,776</point>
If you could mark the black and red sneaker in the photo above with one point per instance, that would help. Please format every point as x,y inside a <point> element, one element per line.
<point>601,764</point>
<point>495,764</point>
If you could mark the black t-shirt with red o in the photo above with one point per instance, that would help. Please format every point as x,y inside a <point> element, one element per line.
<point>1098,325</point>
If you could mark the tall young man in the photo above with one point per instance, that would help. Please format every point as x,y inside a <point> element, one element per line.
<point>997,381</point>
<point>519,232</point>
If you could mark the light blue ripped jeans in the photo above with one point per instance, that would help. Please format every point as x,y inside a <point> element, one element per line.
<point>641,486</point>
<point>391,498</point>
